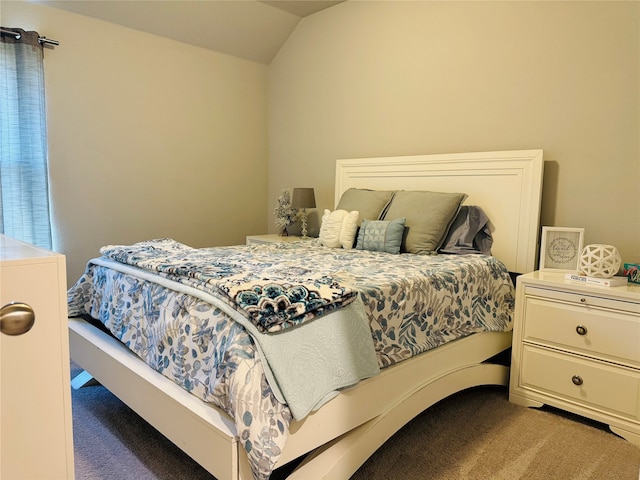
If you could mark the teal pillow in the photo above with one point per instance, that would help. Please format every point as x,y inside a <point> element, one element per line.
<point>381,235</point>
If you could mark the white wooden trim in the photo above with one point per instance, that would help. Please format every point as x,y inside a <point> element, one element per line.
<point>507,185</point>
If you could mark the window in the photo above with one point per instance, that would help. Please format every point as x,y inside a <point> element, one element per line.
<point>24,183</point>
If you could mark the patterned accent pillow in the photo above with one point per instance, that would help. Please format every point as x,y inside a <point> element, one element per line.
<point>380,235</point>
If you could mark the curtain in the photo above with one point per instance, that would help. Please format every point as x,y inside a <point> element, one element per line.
<point>24,182</point>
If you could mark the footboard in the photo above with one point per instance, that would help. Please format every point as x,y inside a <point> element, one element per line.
<point>342,435</point>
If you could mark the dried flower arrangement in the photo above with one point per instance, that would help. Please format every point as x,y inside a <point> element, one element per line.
<point>285,213</point>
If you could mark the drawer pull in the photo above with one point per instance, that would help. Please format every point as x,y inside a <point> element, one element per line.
<point>16,318</point>
<point>577,380</point>
<point>583,300</point>
<point>581,330</point>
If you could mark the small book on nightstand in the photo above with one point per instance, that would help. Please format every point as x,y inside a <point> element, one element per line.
<point>603,282</point>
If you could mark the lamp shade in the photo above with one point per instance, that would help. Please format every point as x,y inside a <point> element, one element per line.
<point>303,198</point>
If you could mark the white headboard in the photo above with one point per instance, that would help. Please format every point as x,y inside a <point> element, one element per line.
<point>507,185</point>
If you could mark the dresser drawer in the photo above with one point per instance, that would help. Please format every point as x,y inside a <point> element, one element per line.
<point>610,335</point>
<point>602,386</point>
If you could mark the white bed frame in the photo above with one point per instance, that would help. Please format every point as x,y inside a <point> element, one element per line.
<point>346,431</point>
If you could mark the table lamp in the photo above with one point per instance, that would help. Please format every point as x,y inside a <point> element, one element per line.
<point>303,198</point>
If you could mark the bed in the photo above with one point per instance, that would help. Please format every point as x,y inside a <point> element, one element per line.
<point>333,436</point>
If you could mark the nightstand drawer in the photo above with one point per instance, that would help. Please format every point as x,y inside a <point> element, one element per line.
<point>590,331</point>
<point>593,297</point>
<point>615,389</point>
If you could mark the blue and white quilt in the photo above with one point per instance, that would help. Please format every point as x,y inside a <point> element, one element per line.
<point>408,303</point>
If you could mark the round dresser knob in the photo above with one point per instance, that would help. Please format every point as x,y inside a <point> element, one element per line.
<point>16,318</point>
<point>581,330</point>
<point>577,380</point>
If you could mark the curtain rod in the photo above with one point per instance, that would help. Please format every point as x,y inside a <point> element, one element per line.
<point>42,40</point>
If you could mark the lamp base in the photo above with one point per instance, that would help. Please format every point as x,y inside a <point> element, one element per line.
<point>303,217</point>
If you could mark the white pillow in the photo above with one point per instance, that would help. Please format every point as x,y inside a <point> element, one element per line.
<point>338,228</point>
<point>349,229</point>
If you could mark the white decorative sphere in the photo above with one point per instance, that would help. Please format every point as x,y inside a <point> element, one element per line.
<point>602,261</point>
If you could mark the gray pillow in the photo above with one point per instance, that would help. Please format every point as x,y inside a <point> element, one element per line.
<point>381,235</point>
<point>370,203</point>
<point>428,218</point>
<point>469,232</point>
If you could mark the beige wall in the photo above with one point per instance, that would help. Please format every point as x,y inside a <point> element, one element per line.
<point>148,137</point>
<point>366,79</point>
<point>132,115</point>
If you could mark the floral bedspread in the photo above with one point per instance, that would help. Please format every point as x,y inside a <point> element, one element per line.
<point>413,303</point>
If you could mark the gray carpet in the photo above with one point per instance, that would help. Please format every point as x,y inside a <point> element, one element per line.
<point>473,435</point>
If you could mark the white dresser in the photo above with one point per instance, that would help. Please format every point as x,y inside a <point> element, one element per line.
<point>36,432</point>
<point>577,347</point>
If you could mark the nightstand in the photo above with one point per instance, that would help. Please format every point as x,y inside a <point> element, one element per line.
<point>577,347</point>
<point>272,238</point>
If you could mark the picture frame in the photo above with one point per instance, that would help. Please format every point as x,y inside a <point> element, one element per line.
<point>560,248</point>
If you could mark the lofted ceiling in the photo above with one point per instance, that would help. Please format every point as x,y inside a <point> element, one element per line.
<point>250,29</point>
